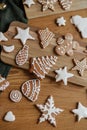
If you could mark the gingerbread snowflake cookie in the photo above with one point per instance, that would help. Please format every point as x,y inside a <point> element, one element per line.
<point>23,35</point>
<point>66,4</point>
<point>22,56</point>
<point>29,3</point>
<point>49,111</point>
<point>81,111</point>
<point>15,96</point>
<point>81,24</point>
<point>61,21</point>
<point>31,89</point>
<point>40,66</point>
<point>81,66</point>
<point>3,83</point>
<point>47,4</point>
<point>62,74</point>
<point>66,45</point>
<point>45,36</point>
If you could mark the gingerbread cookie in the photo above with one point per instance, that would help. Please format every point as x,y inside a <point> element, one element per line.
<point>42,65</point>
<point>45,36</point>
<point>8,49</point>
<point>67,45</point>
<point>47,4</point>
<point>81,24</point>
<point>49,111</point>
<point>22,56</point>
<point>61,21</point>
<point>15,95</point>
<point>3,83</point>
<point>29,3</point>
<point>66,4</point>
<point>81,66</point>
<point>31,89</point>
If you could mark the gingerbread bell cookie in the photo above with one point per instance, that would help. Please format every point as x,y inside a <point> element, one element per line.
<point>66,45</point>
<point>40,66</point>
<point>45,36</point>
<point>3,83</point>
<point>22,56</point>
<point>15,96</point>
<point>31,89</point>
<point>65,4</point>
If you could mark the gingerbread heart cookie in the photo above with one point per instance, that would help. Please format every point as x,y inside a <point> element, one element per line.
<point>31,89</point>
<point>22,56</point>
<point>66,45</point>
<point>41,65</point>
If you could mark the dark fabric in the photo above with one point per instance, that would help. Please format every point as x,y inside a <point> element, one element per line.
<point>13,12</point>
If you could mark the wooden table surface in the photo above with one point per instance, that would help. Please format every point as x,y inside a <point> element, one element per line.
<point>66,98</point>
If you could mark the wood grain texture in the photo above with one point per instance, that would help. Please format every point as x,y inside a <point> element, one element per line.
<point>36,10</point>
<point>65,97</point>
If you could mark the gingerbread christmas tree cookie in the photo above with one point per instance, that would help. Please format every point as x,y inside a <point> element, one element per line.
<point>40,66</point>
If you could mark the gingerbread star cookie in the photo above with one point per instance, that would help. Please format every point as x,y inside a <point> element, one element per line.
<point>47,4</point>
<point>81,66</point>
<point>62,74</point>
<point>29,3</point>
<point>23,35</point>
<point>2,37</point>
<point>81,111</point>
<point>49,111</point>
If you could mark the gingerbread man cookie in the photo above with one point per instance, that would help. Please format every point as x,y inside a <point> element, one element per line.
<point>66,45</point>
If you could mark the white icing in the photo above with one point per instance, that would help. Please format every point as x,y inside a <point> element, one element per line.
<point>61,22</point>
<point>8,48</point>
<point>29,3</point>
<point>66,4</point>
<point>2,37</point>
<point>4,86</point>
<point>81,24</point>
<point>9,116</point>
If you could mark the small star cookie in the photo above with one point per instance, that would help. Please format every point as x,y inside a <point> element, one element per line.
<point>47,4</point>
<point>81,66</point>
<point>81,111</point>
<point>61,21</point>
<point>23,35</point>
<point>49,111</point>
<point>29,3</point>
<point>2,37</point>
<point>62,74</point>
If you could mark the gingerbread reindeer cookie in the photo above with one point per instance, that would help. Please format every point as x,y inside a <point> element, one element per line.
<point>66,45</point>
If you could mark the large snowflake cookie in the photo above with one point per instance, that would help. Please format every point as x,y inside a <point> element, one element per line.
<point>66,4</point>
<point>61,21</point>
<point>66,45</point>
<point>81,66</point>
<point>49,111</point>
<point>23,35</point>
<point>47,4</point>
<point>81,24</point>
<point>81,111</point>
<point>31,89</point>
<point>3,83</point>
<point>2,37</point>
<point>45,36</point>
<point>29,3</point>
<point>40,66</point>
<point>22,56</point>
<point>62,74</point>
